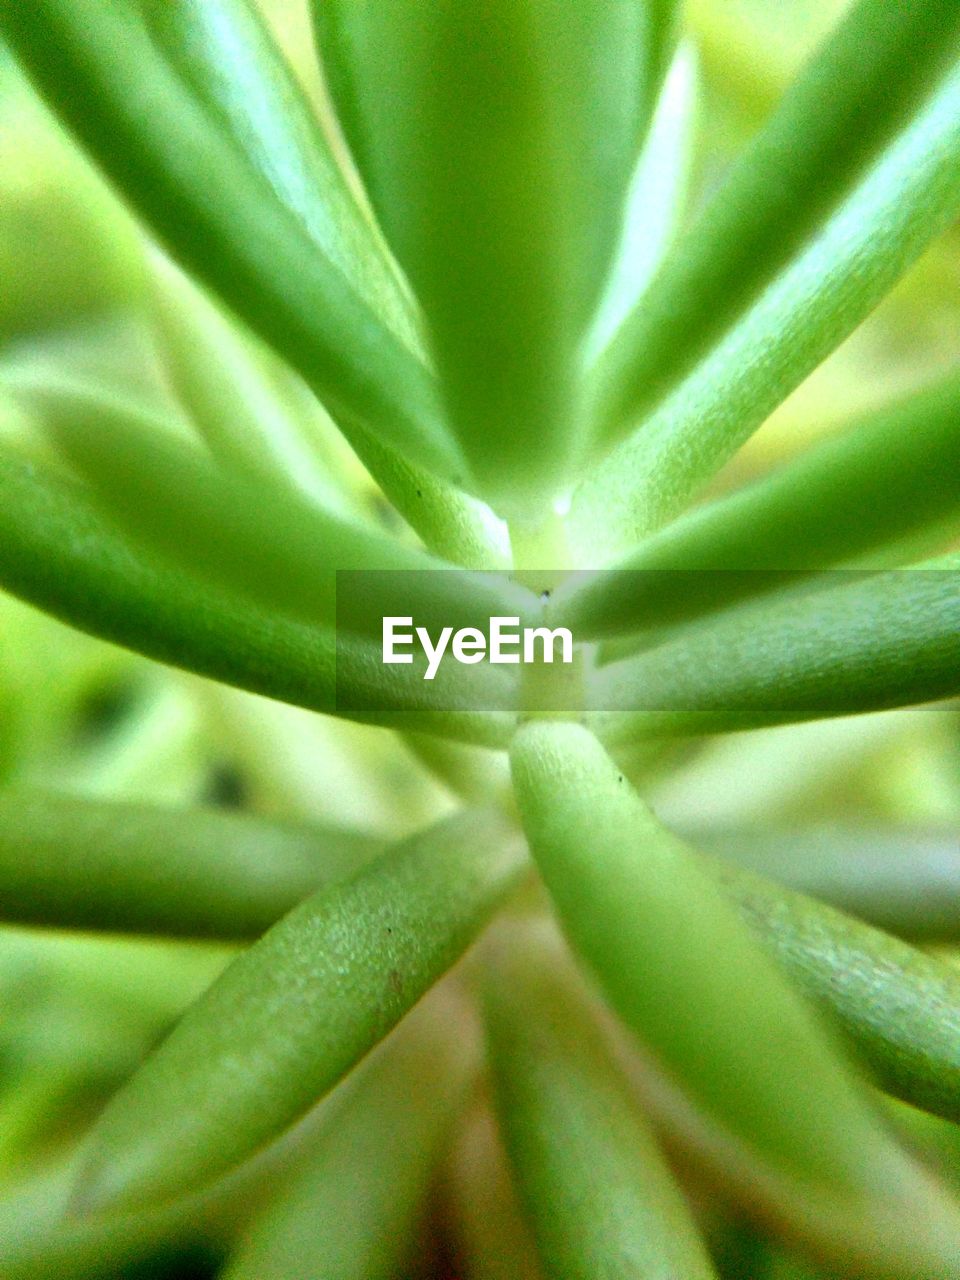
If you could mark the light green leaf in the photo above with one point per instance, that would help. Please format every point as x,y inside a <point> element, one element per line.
<point>676,963</point>
<point>226,55</point>
<point>899,1006</point>
<point>298,1010</point>
<point>903,880</point>
<point>886,640</point>
<point>82,864</point>
<point>222,383</point>
<point>600,1197</point>
<point>97,68</point>
<point>252,536</point>
<point>867,488</point>
<point>351,1211</point>
<point>67,250</point>
<point>853,175</point>
<point>59,554</point>
<point>497,144</point>
<point>655,201</point>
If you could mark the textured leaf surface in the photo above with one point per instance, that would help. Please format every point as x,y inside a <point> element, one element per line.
<point>855,172</point>
<point>899,1006</point>
<point>675,963</point>
<point>293,1014</point>
<point>889,640</point>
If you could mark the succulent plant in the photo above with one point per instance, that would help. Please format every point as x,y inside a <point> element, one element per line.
<point>640,965</point>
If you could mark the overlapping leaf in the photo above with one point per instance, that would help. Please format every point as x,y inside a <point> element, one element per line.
<point>855,172</point>
<point>496,144</point>
<point>298,1010</point>
<point>169,130</point>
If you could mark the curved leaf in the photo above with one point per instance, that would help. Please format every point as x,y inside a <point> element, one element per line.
<point>676,963</point>
<point>496,143</point>
<point>855,172</point>
<point>84,864</point>
<point>298,1010</point>
<point>655,201</point>
<point>230,398</point>
<point>352,1210</point>
<point>600,1196</point>
<point>224,52</point>
<point>248,424</point>
<point>57,553</point>
<point>252,536</point>
<point>97,67</point>
<point>899,1006</point>
<point>903,880</point>
<point>887,640</point>
<point>864,489</point>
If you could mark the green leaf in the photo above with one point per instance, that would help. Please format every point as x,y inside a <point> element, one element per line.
<point>886,640</point>
<point>351,1212</point>
<point>655,201</point>
<point>598,1192</point>
<point>224,52</point>
<point>862,490</point>
<point>497,143</point>
<point>899,1006</point>
<point>67,250</point>
<point>248,424</point>
<point>225,387</point>
<point>83,864</point>
<point>97,68</point>
<point>252,536</point>
<point>903,880</point>
<point>687,977</point>
<point>59,554</point>
<point>297,1011</point>
<point>852,176</point>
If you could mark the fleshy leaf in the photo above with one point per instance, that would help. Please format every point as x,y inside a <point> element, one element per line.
<point>675,962</point>
<point>903,880</point>
<point>867,488</point>
<point>224,51</point>
<point>598,1192</point>
<point>231,401</point>
<point>852,176</point>
<point>97,68</point>
<point>352,1211</point>
<point>655,200</point>
<point>297,1011</point>
<point>899,1006</point>
<point>246,423</point>
<point>84,864</point>
<point>496,143</point>
<point>250,535</point>
<point>886,640</point>
<point>58,553</point>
